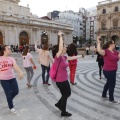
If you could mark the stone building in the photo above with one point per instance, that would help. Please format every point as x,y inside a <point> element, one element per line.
<point>19,26</point>
<point>108,20</point>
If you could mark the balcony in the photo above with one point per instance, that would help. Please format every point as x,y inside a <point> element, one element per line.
<point>103,28</point>
<point>115,28</point>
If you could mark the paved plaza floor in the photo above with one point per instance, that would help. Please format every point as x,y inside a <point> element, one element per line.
<point>85,103</point>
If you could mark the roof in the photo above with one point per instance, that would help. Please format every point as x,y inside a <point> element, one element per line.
<point>45,18</point>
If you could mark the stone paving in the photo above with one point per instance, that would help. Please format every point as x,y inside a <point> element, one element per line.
<point>85,103</point>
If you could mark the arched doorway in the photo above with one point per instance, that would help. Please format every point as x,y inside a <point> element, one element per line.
<point>44,38</point>
<point>116,39</point>
<point>1,38</point>
<point>24,38</point>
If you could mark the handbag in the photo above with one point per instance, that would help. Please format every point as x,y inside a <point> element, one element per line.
<point>54,70</point>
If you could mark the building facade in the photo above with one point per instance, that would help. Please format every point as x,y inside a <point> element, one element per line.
<point>91,24</point>
<point>108,20</point>
<point>19,26</point>
<point>53,15</point>
<point>74,19</point>
<point>83,11</point>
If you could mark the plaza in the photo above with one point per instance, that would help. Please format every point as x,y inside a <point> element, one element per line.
<point>85,103</point>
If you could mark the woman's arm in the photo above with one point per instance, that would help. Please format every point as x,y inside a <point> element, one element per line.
<point>31,60</point>
<point>60,44</point>
<point>74,57</point>
<point>100,51</point>
<point>20,73</point>
<point>50,58</point>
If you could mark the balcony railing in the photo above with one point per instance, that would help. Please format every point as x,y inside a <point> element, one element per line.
<point>115,27</point>
<point>103,28</point>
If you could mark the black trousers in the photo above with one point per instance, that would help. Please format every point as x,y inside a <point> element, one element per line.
<point>65,92</point>
<point>110,84</point>
<point>100,64</point>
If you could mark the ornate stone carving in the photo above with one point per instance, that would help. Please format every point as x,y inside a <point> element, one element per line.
<point>14,1</point>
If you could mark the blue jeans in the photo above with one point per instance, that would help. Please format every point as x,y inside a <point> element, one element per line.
<point>10,88</point>
<point>110,84</point>
<point>44,69</point>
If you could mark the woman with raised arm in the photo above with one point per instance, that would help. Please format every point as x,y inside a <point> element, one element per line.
<point>27,64</point>
<point>7,76</point>
<point>61,79</point>
<point>111,57</point>
<point>44,60</point>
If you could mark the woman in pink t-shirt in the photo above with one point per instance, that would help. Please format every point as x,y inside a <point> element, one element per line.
<point>62,83</point>
<point>27,64</point>
<point>7,76</point>
<point>111,57</point>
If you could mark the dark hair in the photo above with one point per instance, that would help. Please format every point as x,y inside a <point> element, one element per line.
<point>25,51</point>
<point>104,46</point>
<point>45,47</point>
<point>3,48</point>
<point>55,50</point>
<point>109,43</point>
<point>72,49</point>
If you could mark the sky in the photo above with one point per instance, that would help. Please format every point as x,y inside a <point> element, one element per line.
<point>42,7</point>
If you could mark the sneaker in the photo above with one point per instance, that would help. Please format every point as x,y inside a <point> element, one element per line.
<point>114,101</point>
<point>66,114</point>
<point>74,83</point>
<point>105,98</point>
<point>13,111</point>
<point>48,83</point>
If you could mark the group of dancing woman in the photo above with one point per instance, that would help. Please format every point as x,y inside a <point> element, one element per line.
<point>10,86</point>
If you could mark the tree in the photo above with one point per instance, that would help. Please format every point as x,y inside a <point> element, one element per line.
<point>80,39</point>
<point>90,41</point>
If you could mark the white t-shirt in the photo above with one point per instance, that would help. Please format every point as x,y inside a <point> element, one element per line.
<point>26,60</point>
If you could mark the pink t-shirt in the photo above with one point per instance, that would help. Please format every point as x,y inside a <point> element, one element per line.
<point>6,68</point>
<point>62,70</point>
<point>26,60</point>
<point>110,60</point>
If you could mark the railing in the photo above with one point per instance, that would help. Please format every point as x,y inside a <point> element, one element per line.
<point>103,28</point>
<point>115,28</point>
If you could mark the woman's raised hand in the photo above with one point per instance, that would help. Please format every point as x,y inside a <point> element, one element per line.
<point>60,33</point>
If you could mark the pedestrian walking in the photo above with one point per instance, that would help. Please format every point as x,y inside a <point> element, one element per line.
<point>27,64</point>
<point>61,79</point>
<point>72,51</point>
<point>44,60</point>
<point>111,57</point>
<point>7,76</point>
<point>100,63</point>
<point>87,50</point>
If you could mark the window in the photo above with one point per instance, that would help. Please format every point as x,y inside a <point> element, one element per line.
<point>103,25</point>
<point>115,23</point>
<point>104,11</point>
<point>116,9</point>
